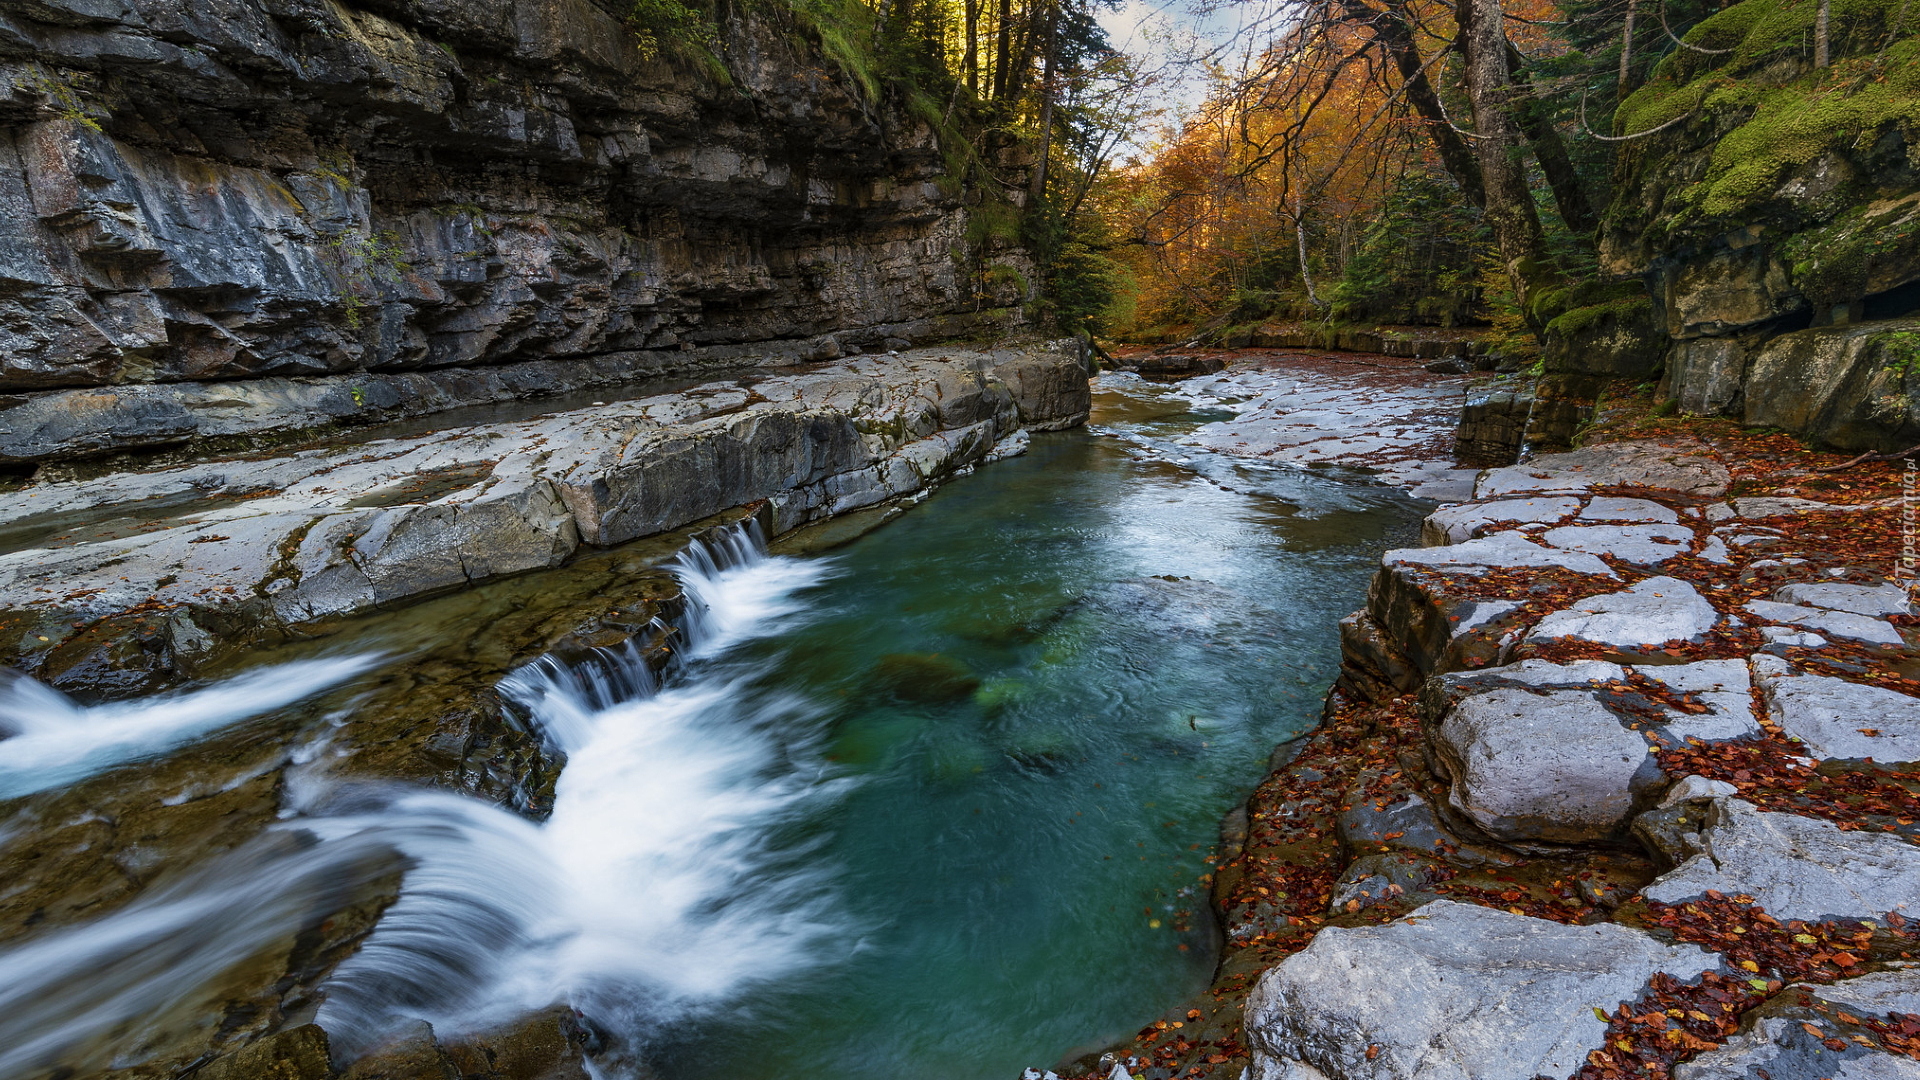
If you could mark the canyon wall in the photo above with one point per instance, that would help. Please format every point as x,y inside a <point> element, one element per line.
<point>341,212</point>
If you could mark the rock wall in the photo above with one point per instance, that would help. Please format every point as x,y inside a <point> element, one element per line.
<point>1776,222</point>
<point>292,189</point>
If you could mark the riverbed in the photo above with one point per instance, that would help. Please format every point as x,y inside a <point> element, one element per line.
<point>942,801</point>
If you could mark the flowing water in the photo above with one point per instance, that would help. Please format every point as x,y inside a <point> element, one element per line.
<point>940,803</point>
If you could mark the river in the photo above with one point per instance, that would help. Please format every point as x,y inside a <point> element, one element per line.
<point>941,802</point>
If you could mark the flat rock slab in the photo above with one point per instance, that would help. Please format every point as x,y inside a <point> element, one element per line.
<point>1637,545</point>
<point>1874,600</point>
<point>1723,688</point>
<point>1553,765</point>
<point>1835,718</point>
<point>280,541</point>
<point>1842,624</point>
<point>1650,465</point>
<point>1643,616</point>
<point>1795,867</point>
<point>1635,511</point>
<point>1458,524</point>
<point>1452,992</point>
<point>1501,550</point>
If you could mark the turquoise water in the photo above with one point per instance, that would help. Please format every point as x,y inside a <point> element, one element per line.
<point>1043,688</point>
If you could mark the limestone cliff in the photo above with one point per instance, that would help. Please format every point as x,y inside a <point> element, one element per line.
<point>346,210</point>
<point>1776,220</point>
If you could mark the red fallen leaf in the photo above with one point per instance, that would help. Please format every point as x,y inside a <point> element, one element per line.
<point>1373,1051</point>
<point>1833,1044</point>
<point>1812,1030</point>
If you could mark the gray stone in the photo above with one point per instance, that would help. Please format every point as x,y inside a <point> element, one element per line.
<point>1723,686</point>
<point>1795,867</point>
<point>1835,718</point>
<point>280,541</point>
<point>1500,550</point>
<point>1845,386</point>
<point>1893,990</point>
<point>1609,508</point>
<point>1638,545</point>
<point>1553,766</point>
<point>1372,880</point>
<point>1774,1041</point>
<point>1650,465</point>
<point>1832,623</point>
<point>1646,615</point>
<point>1452,992</point>
<point>1879,600</point>
<point>1456,524</point>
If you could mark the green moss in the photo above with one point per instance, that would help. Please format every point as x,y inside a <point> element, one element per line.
<point>1574,322</point>
<point>1836,263</point>
<point>1765,111</point>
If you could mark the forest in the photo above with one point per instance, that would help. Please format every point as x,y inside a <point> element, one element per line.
<point>1363,162</point>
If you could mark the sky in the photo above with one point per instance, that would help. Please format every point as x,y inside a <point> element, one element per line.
<point>1170,34</point>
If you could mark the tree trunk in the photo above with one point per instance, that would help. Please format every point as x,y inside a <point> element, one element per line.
<point>1037,187</point>
<point>970,63</point>
<point>1509,210</point>
<point>1390,29</point>
<point>1820,20</point>
<point>1625,85</point>
<point>1551,153</point>
<point>1300,248</point>
<point>1003,52</point>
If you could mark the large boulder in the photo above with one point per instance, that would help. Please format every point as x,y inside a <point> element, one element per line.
<point>1531,765</point>
<point>1854,386</point>
<point>1451,992</point>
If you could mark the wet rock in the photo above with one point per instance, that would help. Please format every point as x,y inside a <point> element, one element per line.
<point>1554,766</point>
<point>1451,992</point>
<point>1635,621</point>
<point>1835,718</point>
<point>1795,867</point>
<point>296,1054</point>
<point>1652,465</point>
<point>551,1045</point>
<point>1492,427</point>
<point>1175,365</point>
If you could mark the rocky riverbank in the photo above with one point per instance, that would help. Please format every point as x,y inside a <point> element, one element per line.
<point>128,581</point>
<point>1618,780</point>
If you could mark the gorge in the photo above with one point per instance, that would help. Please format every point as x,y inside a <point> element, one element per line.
<point>641,540</point>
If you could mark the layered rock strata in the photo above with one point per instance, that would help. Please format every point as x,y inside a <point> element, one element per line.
<point>135,578</point>
<point>362,209</point>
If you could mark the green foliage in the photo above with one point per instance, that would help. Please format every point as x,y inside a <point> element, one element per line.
<point>1415,262</point>
<point>1901,350</point>
<point>671,26</point>
<point>364,262</point>
<point>1770,110</point>
<point>67,100</point>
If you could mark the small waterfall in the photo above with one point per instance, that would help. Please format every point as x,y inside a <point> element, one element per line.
<point>659,883</point>
<point>47,740</point>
